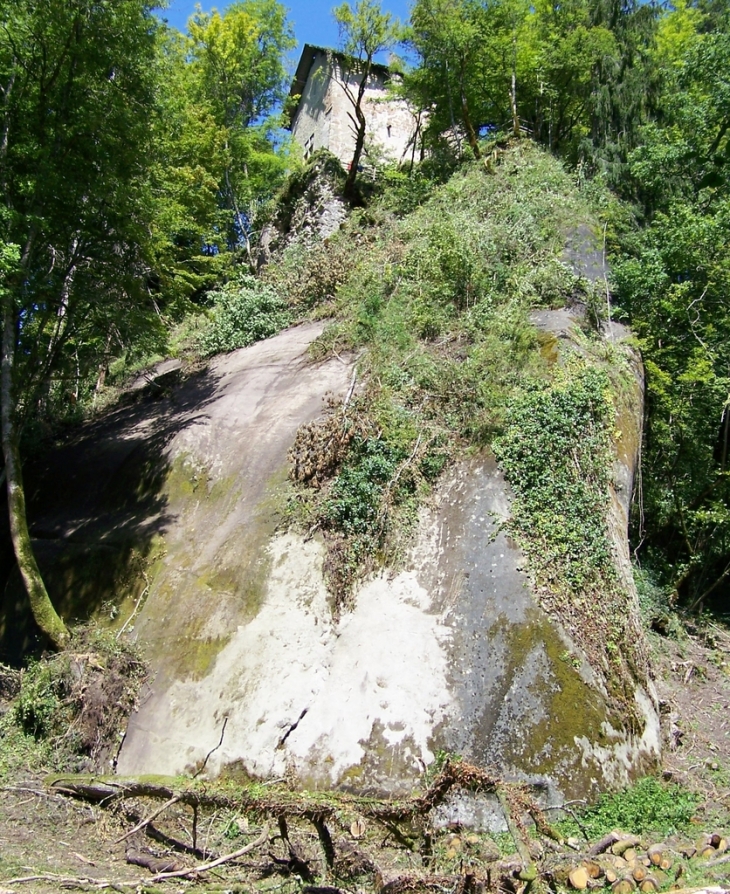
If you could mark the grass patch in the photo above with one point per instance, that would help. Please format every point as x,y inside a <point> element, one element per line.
<point>650,806</point>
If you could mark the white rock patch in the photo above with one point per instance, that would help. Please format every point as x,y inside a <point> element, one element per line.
<point>293,687</point>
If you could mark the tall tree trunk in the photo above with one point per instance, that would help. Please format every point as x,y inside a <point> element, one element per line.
<point>43,611</point>
<point>360,125</point>
<point>471,133</point>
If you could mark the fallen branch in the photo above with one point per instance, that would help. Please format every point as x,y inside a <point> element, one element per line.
<point>151,862</point>
<point>106,789</point>
<point>136,606</point>
<point>79,882</point>
<point>206,867</point>
<point>325,839</point>
<point>147,820</point>
<point>603,844</point>
<point>529,870</point>
<point>103,790</point>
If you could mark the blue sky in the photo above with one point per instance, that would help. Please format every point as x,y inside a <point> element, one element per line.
<point>312,19</point>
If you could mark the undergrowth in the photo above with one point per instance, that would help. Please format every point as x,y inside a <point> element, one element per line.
<point>432,286</point>
<point>244,310</point>
<point>650,806</point>
<point>71,708</point>
<point>556,452</point>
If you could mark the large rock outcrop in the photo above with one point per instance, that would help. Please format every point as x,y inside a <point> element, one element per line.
<point>250,671</point>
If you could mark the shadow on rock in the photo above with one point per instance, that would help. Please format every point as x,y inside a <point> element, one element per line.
<point>97,509</point>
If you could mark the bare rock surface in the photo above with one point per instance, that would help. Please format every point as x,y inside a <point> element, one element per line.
<point>250,670</point>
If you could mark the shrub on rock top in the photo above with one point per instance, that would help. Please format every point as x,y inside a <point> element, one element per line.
<point>244,310</point>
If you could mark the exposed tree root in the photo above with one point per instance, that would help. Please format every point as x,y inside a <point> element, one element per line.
<point>324,812</point>
<point>276,802</point>
<point>330,839</point>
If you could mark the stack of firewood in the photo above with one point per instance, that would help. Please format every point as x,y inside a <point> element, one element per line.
<point>618,861</point>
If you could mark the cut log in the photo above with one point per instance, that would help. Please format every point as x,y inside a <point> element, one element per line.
<point>578,878</point>
<point>603,844</point>
<point>611,875</point>
<point>618,863</point>
<point>639,872</point>
<point>154,864</point>
<point>620,847</point>
<point>623,886</point>
<point>656,854</point>
<point>649,886</point>
<point>593,869</point>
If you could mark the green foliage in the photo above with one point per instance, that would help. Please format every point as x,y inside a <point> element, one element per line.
<point>555,452</point>
<point>648,806</point>
<point>20,752</point>
<point>656,605</point>
<point>578,76</point>
<point>245,310</point>
<point>71,706</point>
<point>309,274</point>
<point>672,279</point>
<point>239,55</point>
<point>237,72</point>
<point>72,185</point>
<point>40,709</point>
<point>402,191</point>
<point>437,301</point>
<point>355,499</point>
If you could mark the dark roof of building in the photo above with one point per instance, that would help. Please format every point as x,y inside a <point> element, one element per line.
<point>306,60</point>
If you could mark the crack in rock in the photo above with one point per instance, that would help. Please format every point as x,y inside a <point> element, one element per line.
<point>291,729</point>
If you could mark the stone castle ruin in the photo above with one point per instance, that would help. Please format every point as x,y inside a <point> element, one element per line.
<point>322,109</point>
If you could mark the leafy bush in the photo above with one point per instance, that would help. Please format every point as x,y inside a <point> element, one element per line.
<point>647,806</point>
<point>309,273</point>
<point>355,500</point>
<point>555,452</point>
<point>245,310</point>
<point>72,706</point>
<point>40,709</point>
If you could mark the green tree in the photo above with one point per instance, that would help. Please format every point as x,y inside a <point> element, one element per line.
<point>473,55</point>
<point>675,283</point>
<point>365,31</point>
<point>188,227</point>
<point>239,77</point>
<point>560,87</point>
<point>624,85</point>
<point>77,93</point>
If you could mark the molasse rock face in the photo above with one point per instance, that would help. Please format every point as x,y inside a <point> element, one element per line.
<point>250,670</point>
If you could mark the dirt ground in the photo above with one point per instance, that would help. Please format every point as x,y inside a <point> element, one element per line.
<point>50,843</point>
<point>693,683</point>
